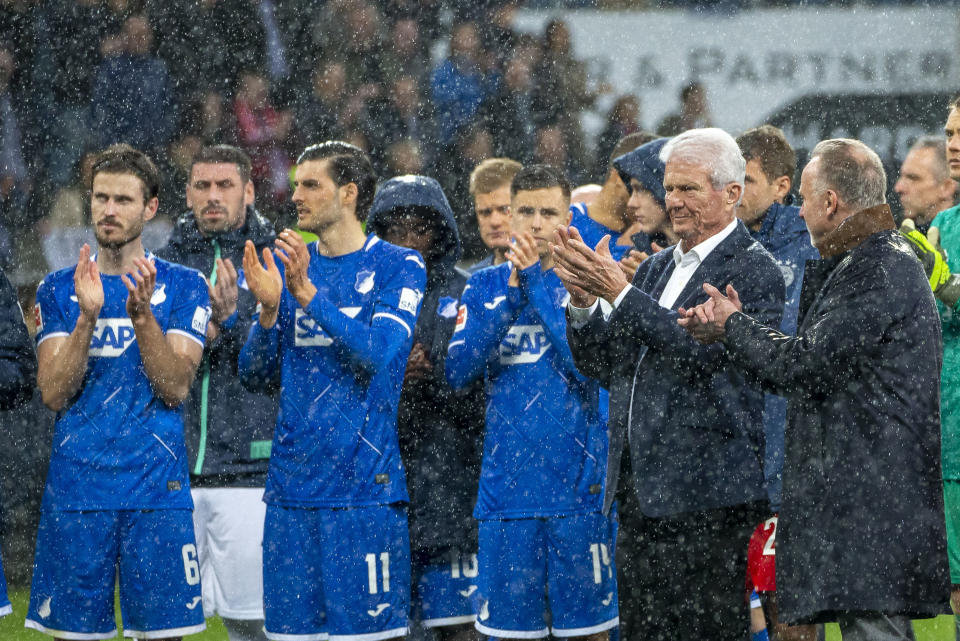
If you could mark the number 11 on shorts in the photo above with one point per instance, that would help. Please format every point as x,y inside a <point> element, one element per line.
<point>371,560</point>
<point>600,554</point>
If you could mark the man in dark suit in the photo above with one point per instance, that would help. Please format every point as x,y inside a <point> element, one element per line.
<point>692,424</point>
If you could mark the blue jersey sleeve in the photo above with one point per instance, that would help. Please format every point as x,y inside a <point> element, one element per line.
<point>550,314</point>
<point>374,346</point>
<point>484,318</point>
<point>191,307</point>
<point>47,314</point>
<point>259,359</point>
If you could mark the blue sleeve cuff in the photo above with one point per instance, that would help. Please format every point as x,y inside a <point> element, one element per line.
<point>230,321</point>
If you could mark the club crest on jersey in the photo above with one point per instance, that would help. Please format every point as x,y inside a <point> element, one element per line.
<point>308,333</point>
<point>112,337</point>
<point>523,344</point>
<point>364,281</point>
<point>447,307</point>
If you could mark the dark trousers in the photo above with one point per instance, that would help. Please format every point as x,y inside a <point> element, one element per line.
<point>683,576</point>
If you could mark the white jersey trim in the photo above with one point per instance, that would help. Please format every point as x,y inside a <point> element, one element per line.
<point>188,335</point>
<point>274,636</point>
<point>512,634</point>
<point>163,634</point>
<point>5,610</point>
<point>396,318</point>
<point>51,335</point>
<point>72,636</point>
<point>436,623</point>
<point>582,632</point>
<point>456,343</point>
<point>372,636</point>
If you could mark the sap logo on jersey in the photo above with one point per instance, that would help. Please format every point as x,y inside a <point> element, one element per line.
<point>524,344</point>
<point>308,332</point>
<point>112,337</point>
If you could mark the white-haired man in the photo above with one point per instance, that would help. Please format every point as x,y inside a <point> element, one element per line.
<point>695,486</point>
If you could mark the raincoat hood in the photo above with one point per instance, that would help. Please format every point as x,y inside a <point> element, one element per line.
<point>644,164</point>
<point>425,196</point>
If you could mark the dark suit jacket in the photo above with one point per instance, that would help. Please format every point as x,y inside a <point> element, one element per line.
<point>693,423</point>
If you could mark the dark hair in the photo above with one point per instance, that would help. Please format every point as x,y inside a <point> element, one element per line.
<point>224,154</point>
<point>767,145</point>
<point>348,164</point>
<point>121,158</point>
<point>536,177</point>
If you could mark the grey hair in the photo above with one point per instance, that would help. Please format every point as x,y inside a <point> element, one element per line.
<point>939,146</point>
<point>853,170</point>
<point>712,148</point>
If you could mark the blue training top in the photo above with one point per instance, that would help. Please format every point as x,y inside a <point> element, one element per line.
<point>545,448</point>
<point>341,363</point>
<point>116,445</point>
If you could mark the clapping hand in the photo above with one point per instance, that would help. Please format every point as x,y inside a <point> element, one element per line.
<point>265,282</point>
<point>706,321</point>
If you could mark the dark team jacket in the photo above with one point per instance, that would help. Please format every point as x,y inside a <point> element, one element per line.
<point>235,448</point>
<point>441,430</point>
<point>18,360</point>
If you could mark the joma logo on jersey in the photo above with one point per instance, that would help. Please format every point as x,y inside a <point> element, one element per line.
<point>307,333</point>
<point>112,337</point>
<point>524,344</point>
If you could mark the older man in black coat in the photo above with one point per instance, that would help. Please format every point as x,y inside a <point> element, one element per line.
<point>861,534</point>
<point>692,426</point>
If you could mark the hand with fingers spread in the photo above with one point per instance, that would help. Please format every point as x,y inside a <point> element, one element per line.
<point>706,321</point>
<point>523,254</point>
<point>223,295</point>
<point>140,284</point>
<point>293,253</point>
<point>265,283</point>
<point>87,284</point>
<point>592,270</point>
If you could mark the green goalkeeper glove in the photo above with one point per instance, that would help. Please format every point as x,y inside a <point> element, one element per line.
<point>945,286</point>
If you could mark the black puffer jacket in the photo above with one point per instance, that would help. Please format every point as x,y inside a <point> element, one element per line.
<point>235,447</point>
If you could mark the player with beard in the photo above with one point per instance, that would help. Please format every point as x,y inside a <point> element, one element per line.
<point>229,429</point>
<point>119,338</point>
<point>336,325</point>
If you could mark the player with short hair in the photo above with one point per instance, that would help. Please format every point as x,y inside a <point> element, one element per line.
<point>490,189</point>
<point>545,447</point>
<point>336,326</point>
<point>229,429</point>
<point>119,338</point>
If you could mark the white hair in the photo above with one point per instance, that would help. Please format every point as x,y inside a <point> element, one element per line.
<point>711,148</point>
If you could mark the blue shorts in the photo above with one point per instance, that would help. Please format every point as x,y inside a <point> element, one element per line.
<point>569,558</point>
<point>336,573</point>
<point>445,589</point>
<point>79,555</point>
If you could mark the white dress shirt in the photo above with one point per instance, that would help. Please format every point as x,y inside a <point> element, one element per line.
<point>686,264</point>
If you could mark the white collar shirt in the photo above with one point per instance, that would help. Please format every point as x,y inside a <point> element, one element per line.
<point>686,263</point>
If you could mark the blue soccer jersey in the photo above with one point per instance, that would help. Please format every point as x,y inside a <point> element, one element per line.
<point>591,231</point>
<point>545,448</point>
<point>341,363</point>
<point>117,445</point>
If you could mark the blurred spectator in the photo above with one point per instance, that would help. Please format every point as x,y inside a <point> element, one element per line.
<point>694,112</point>
<point>925,187</point>
<point>275,54</point>
<point>175,172</point>
<point>318,115</point>
<point>510,113</point>
<point>403,157</point>
<point>623,119</point>
<point>70,33</point>
<point>361,50</point>
<point>262,132</point>
<point>402,115</point>
<point>67,227</point>
<point>405,54</point>
<point>425,12</point>
<point>474,144</point>
<point>209,42</point>
<point>15,179</point>
<point>496,32</point>
<point>132,93</point>
<point>458,86</point>
<point>552,148</point>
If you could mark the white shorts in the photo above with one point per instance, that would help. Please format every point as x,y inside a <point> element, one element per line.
<point>229,527</point>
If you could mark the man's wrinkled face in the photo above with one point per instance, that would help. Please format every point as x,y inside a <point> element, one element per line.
<point>493,217</point>
<point>218,197</point>
<point>952,131</point>
<point>815,209</point>
<point>540,212</point>
<point>119,209</point>
<point>697,210</point>
<point>759,192</point>
<point>918,187</point>
<point>645,210</point>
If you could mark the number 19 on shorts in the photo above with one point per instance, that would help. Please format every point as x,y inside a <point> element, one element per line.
<point>384,582</point>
